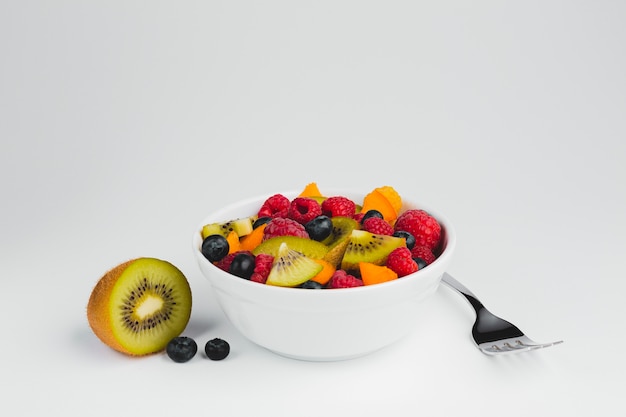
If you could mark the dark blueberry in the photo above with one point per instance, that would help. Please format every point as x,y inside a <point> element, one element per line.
<point>371,213</point>
<point>242,265</point>
<point>217,349</point>
<point>215,247</point>
<point>311,285</point>
<point>319,228</point>
<point>420,263</point>
<point>410,239</point>
<point>181,349</point>
<point>261,220</point>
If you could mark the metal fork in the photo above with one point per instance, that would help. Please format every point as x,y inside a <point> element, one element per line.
<point>492,334</point>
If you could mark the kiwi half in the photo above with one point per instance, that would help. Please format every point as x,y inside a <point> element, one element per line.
<point>339,237</point>
<point>139,306</point>
<point>292,268</point>
<point>364,246</point>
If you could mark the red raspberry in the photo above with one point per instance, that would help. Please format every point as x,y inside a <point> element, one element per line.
<point>262,267</point>
<point>275,206</point>
<point>338,206</point>
<point>224,263</point>
<point>401,261</point>
<point>341,279</point>
<point>377,226</point>
<point>423,252</point>
<point>423,226</point>
<point>304,209</point>
<point>281,226</point>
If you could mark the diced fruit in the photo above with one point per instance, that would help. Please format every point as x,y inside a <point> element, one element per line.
<point>242,226</point>
<point>319,228</point>
<point>338,206</point>
<point>308,247</point>
<point>375,274</point>
<point>242,265</point>
<point>233,242</point>
<point>311,190</point>
<point>253,239</point>
<point>401,262</point>
<point>337,242</point>
<point>326,273</point>
<point>424,227</point>
<point>282,226</point>
<point>364,246</point>
<point>291,268</point>
<point>392,196</point>
<point>377,201</point>
<point>215,247</point>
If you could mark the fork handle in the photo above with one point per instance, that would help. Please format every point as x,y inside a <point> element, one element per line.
<point>465,292</point>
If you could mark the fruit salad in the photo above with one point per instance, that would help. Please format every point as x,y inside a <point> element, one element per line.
<point>317,241</point>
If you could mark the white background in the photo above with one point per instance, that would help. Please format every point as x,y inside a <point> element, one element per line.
<point>124,123</point>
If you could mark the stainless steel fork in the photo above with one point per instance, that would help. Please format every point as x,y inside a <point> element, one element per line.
<point>492,334</point>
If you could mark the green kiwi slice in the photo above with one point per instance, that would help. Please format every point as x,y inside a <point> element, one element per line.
<point>242,226</point>
<point>364,246</point>
<point>291,268</point>
<point>307,247</point>
<point>339,237</point>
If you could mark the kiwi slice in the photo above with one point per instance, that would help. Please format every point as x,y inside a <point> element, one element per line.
<point>339,237</point>
<point>242,226</point>
<point>291,268</point>
<point>308,247</point>
<point>139,306</point>
<point>364,246</point>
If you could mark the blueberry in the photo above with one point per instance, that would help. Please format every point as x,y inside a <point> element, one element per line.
<point>311,285</point>
<point>215,247</point>
<point>371,213</point>
<point>420,263</point>
<point>410,239</point>
<point>181,349</point>
<point>319,228</point>
<point>217,349</point>
<point>242,265</point>
<point>261,220</point>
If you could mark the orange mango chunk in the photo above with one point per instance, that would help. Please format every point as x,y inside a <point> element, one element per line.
<point>311,190</point>
<point>392,196</point>
<point>375,274</point>
<point>377,201</point>
<point>253,239</point>
<point>233,242</point>
<point>326,273</point>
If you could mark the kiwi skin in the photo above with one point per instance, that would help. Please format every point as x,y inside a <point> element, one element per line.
<point>102,307</point>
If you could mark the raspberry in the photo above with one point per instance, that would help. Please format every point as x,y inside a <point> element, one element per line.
<point>423,252</point>
<point>377,226</point>
<point>275,206</point>
<point>424,227</point>
<point>262,267</point>
<point>224,263</point>
<point>358,217</point>
<point>304,210</point>
<point>338,206</point>
<point>280,226</point>
<point>401,262</point>
<point>341,279</point>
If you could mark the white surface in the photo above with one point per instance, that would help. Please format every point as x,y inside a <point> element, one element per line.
<point>123,123</point>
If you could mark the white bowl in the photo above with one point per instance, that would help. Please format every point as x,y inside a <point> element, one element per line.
<point>322,325</point>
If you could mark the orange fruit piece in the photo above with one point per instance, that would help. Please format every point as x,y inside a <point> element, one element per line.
<point>375,274</point>
<point>392,196</point>
<point>375,200</point>
<point>326,273</point>
<point>233,242</point>
<point>311,190</point>
<point>253,239</point>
